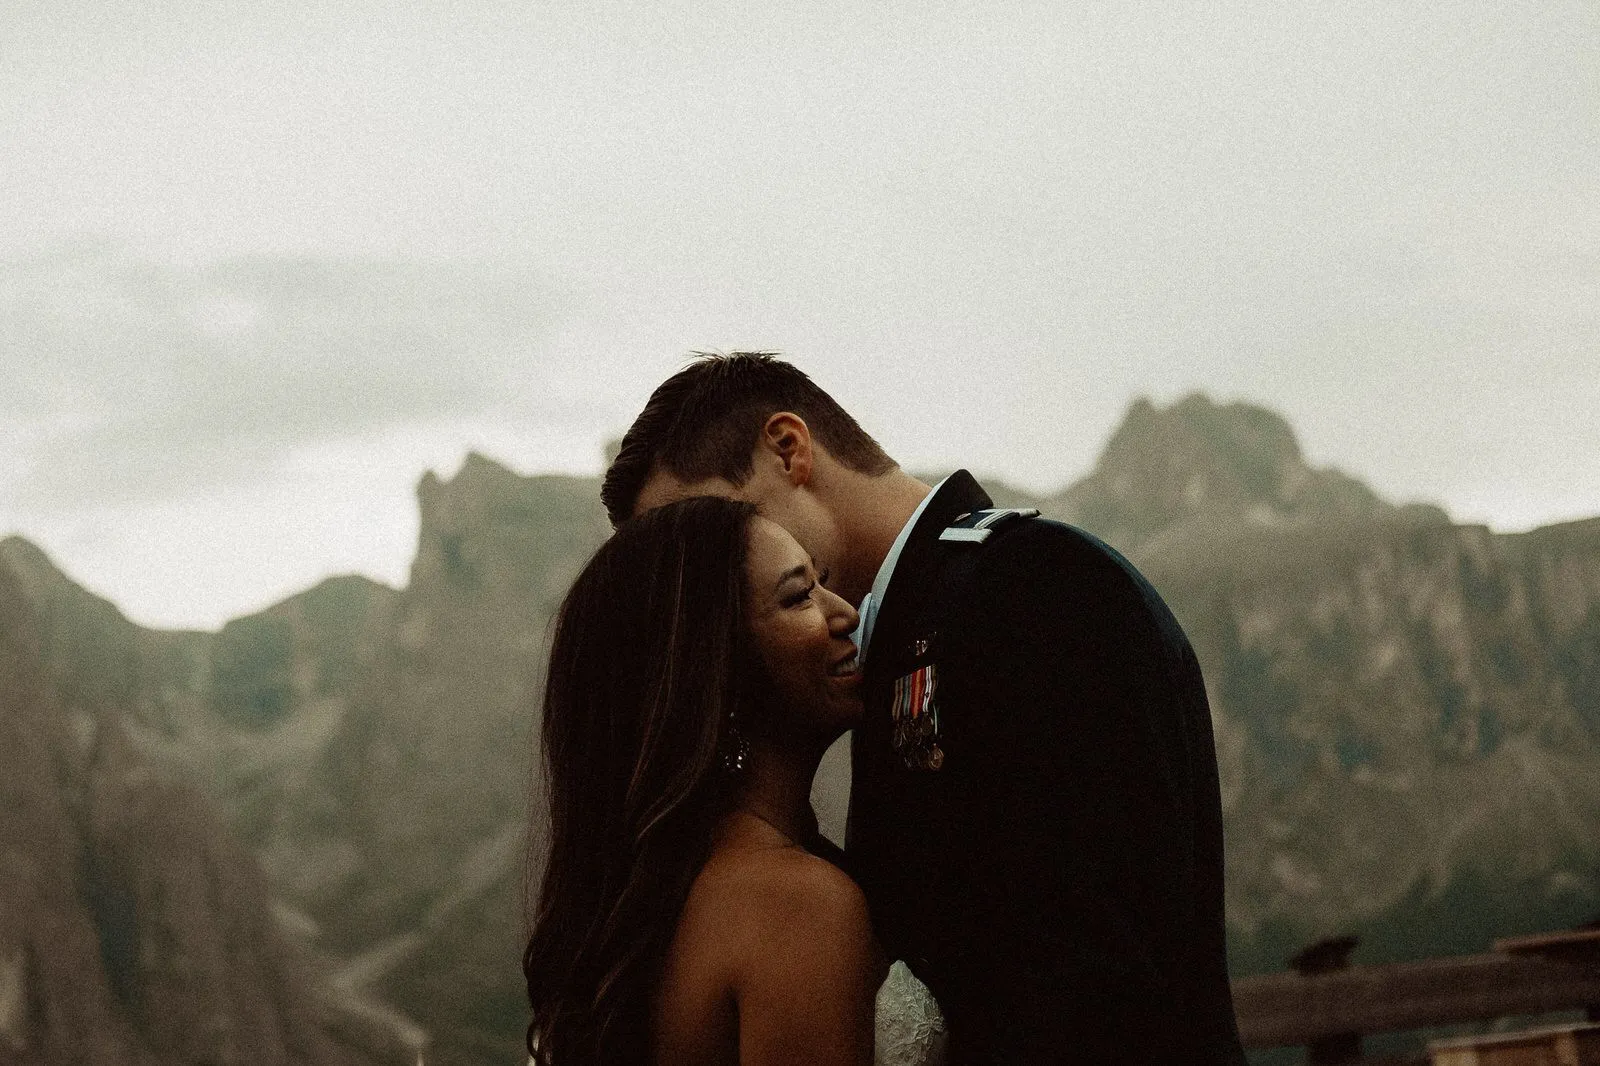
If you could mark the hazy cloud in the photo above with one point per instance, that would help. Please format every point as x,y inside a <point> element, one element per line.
<point>129,379</point>
<point>986,228</point>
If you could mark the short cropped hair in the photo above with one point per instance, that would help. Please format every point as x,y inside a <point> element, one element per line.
<point>704,422</point>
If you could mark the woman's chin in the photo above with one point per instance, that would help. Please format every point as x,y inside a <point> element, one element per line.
<point>839,713</point>
<point>853,707</point>
<point>849,683</point>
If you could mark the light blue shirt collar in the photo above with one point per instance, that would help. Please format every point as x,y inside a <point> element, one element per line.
<point>873,601</point>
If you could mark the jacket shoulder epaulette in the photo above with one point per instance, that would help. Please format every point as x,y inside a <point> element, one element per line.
<point>974,527</point>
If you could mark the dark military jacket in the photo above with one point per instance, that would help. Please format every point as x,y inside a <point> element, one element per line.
<point>1034,811</point>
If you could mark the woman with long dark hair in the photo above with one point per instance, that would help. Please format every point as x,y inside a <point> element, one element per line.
<point>690,911</point>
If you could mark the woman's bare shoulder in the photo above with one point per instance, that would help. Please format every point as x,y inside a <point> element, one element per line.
<point>754,897</point>
<point>759,924</point>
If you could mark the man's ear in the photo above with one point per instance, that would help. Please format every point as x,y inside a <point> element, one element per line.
<point>787,437</point>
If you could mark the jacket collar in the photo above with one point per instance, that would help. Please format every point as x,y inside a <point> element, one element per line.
<point>909,589</point>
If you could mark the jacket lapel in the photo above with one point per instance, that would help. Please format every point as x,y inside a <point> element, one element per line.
<point>911,588</point>
<point>884,854</point>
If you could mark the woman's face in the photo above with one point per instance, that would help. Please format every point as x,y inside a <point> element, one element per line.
<point>802,632</point>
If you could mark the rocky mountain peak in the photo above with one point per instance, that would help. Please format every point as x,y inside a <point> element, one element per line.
<point>40,579</point>
<point>1202,449</point>
<point>489,527</point>
<point>1198,458</point>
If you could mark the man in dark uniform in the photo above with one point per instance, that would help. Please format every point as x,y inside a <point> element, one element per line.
<point>1034,810</point>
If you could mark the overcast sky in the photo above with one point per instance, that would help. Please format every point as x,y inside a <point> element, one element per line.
<point>263,264</point>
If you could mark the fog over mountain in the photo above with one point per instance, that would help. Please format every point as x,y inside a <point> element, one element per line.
<point>1407,714</point>
<point>256,253</point>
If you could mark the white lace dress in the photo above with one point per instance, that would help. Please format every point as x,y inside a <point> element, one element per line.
<point>909,1029</point>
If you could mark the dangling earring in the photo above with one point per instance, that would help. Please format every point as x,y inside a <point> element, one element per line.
<point>735,748</point>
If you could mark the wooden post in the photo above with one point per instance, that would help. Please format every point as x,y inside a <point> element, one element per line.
<point>1328,956</point>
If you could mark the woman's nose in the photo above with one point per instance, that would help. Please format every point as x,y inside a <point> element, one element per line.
<point>842,617</point>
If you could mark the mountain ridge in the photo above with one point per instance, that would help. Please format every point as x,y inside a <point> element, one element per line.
<point>1376,672</point>
<point>136,929</point>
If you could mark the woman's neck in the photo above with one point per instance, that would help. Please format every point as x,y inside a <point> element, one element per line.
<point>777,790</point>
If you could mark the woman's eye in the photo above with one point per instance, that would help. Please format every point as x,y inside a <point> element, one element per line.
<point>797,598</point>
<point>822,578</point>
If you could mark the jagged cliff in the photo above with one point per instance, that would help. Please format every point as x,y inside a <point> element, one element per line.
<point>1408,714</point>
<point>1407,710</point>
<point>372,748</point>
<point>435,754</point>
<point>135,929</point>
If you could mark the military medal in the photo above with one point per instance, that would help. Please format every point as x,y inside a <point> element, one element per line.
<point>915,714</point>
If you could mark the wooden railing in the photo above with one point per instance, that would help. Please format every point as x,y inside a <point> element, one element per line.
<point>1331,1010</point>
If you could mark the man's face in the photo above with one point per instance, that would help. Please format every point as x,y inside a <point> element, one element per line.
<point>794,507</point>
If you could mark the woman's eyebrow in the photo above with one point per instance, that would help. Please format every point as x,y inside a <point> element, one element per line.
<point>793,571</point>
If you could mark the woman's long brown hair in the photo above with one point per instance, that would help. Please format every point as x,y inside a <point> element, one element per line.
<point>650,655</point>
